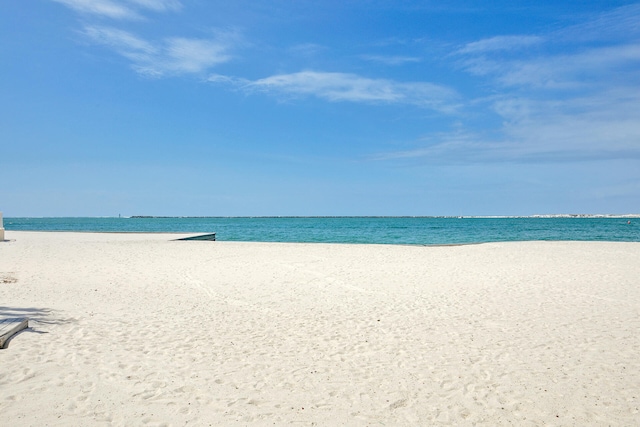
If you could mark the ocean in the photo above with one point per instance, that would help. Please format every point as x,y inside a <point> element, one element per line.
<point>378,230</point>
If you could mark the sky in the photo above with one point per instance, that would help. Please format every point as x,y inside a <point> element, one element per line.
<point>305,108</point>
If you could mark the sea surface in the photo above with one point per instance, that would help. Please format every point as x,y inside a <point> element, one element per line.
<point>383,230</point>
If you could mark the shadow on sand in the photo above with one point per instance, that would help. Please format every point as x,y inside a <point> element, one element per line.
<point>35,315</point>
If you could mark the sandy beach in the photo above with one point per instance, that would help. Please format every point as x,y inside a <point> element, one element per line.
<point>140,329</point>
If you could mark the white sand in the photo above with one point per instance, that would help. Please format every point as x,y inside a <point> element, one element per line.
<point>133,329</point>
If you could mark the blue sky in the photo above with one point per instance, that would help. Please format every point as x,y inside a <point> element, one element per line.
<point>282,107</point>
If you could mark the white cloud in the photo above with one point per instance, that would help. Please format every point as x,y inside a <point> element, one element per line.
<point>177,55</point>
<point>350,87</point>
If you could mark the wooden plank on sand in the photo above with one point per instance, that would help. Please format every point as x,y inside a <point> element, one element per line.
<point>10,327</point>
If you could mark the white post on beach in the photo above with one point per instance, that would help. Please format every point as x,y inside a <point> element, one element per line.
<point>1,229</point>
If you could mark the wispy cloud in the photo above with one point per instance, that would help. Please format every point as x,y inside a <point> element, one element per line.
<point>192,55</point>
<point>307,49</point>
<point>118,9</point>
<point>555,97</point>
<point>123,42</point>
<point>579,70</point>
<point>336,87</point>
<point>556,71</point>
<point>391,59</point>
<point>542,131</point>
<point>168,56</point>
<point>158,5</point>
<point>603,125</point>
<point>500,43</point>
<point>561,60</point>
<point>622,22</point>
<point>176,55</point>
<point>105,8</point>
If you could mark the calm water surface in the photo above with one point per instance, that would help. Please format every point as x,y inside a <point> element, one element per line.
<point>388,230</point>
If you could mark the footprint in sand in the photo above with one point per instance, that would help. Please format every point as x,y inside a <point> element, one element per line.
<point>398,404</point>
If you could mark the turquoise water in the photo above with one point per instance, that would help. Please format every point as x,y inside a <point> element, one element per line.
<point>387,230</point>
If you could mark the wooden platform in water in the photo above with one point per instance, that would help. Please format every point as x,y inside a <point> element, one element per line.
<point>210,237</point>
<point>11,326</point>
